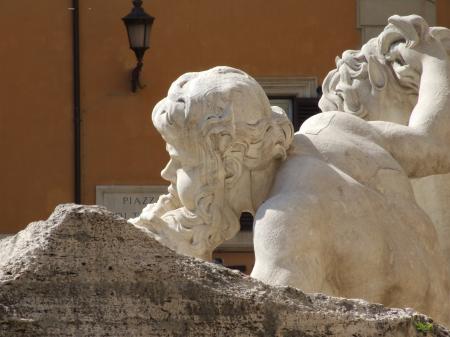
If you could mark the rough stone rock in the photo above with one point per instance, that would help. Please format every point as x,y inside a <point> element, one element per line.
<point>86,272</point>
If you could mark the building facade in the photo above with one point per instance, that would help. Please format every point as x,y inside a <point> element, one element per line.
<point>288,45</point>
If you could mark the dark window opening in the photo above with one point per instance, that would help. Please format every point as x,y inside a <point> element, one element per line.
<point>301,108</point>
<point>304,108</point>
<point>241,268</point>
<point>246,221</point>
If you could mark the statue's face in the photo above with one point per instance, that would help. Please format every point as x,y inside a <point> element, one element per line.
<point>217,124</point>
<point>363,85</point>
<point>192,181</point>
<point>184,172</point>
<point>394,103</point>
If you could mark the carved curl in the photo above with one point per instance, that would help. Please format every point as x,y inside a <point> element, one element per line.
<point>352,66</point>
<point>375,65</point>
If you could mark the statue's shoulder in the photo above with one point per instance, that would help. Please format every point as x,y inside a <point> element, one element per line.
<point>339,127</point>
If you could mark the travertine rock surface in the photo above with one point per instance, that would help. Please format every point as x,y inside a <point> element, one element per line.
<point>86,272</point>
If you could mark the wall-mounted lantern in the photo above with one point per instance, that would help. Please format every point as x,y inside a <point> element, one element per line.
<point>139,25</point>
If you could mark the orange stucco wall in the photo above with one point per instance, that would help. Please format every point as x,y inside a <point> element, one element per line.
<point>443,13</point>
<point>35,110</point>
<point>119,144</point>
<point>262,37</point>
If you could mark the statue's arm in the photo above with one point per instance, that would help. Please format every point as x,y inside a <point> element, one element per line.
<point>423,147</point>
<point>420,152</point>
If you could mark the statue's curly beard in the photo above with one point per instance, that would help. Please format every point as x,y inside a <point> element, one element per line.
<point>194,233</point>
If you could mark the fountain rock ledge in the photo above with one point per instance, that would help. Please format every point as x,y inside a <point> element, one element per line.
<point>87,272</point>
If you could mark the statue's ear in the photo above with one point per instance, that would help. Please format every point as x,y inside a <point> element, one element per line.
<point>442,34</point>
<point>377,74</point>
<point>233,170</point>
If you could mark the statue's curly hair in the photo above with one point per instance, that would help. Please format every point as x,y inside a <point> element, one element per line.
<point>229,111</point>
<point>230,115</point>
<point>372,58</point>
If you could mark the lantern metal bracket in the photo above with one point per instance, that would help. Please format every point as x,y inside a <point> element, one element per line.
<point>138,17</point>
<point>135,78</point>
<point>135,74</point>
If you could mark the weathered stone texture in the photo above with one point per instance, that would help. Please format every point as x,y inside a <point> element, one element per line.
<point>86,272</point>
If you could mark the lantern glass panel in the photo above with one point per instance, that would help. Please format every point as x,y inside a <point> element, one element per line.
<point>137,34</point>
<point>147,35</point>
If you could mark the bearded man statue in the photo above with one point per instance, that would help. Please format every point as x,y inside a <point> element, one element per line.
<point>333,205</point>
<point>225,143</point>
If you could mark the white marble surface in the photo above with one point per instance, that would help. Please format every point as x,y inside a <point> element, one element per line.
<point>423,147</point>
<point>334,207</point>
<point>225,142</point>
<point>433,195</point>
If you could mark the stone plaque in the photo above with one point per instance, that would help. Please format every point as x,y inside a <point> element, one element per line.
<point>128,201</point>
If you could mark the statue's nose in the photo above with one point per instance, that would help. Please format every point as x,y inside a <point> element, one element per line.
<point>158,111</point>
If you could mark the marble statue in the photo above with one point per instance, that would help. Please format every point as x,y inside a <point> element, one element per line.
<point>333,204</point>
<point>225,143</point>
<point>424,152</point>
